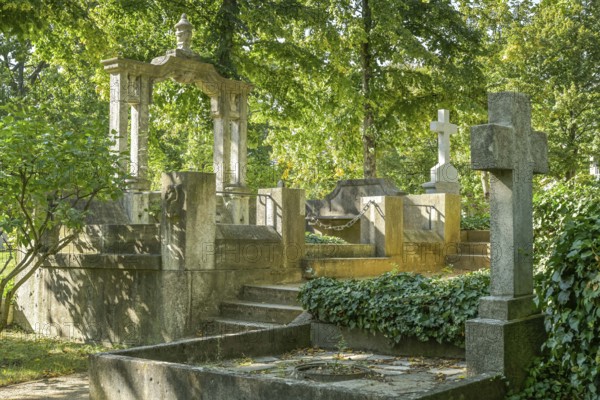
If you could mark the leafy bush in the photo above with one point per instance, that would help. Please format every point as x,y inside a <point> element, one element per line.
<point>313,238</point>
<point>552,207</point>
<point>399,305</point>
<point>478,222</point>
<point>568,228</point>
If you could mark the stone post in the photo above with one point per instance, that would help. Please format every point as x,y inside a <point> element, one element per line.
<point>229,111</point>
<point>382,225</point>
<point>509,330</point>
<point>139,98</point>
<point>119,112</point>
<point>188,220</point>
<point>285,211</point>
<point>444,177</point>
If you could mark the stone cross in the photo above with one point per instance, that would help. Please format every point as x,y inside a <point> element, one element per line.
<point>444,177</point>
<point>509,331</point>
<point>444,129</point>
<point>512,153</point>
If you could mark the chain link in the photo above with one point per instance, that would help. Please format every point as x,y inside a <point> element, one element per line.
<point>313,220</point>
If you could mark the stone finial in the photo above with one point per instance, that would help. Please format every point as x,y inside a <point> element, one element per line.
<point>183,31</point>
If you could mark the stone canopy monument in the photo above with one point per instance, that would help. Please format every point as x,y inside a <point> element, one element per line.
<point>131,94</point>
<point>509,331</point>
<point>444,177</point>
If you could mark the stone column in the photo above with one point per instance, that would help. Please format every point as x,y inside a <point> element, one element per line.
<point>140,101</point>
<point>509,330</point>
<point>382,225</point>
<point>229,111</point>
<point>119,113</point>
<point>188,221</point>
<point>444,177</point>
<point>222,144</point>
<point>285,211</point>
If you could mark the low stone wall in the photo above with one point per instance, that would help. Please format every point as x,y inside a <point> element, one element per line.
<point>329,336</point>
<point>170,371</point>
<point>130,306</point>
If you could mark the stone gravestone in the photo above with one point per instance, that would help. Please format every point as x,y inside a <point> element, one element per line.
<point>509,330</point>
<point>444,177</point>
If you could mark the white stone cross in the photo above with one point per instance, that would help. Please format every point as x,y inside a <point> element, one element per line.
<point>512,153</point>
<point>444,129</point>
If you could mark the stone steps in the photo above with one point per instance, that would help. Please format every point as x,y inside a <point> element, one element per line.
<point>468,262</point>
<point>361,267</point>
<point>220,326</point>
<point>326,250</point>
<point>277,294</point>
<point>474,248</point>
<point>260,312</point>
<point>257,307</point>
<point>473,251</point>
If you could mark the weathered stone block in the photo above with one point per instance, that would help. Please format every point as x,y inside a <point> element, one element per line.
<point>491,147</point>
<point>505,347</point>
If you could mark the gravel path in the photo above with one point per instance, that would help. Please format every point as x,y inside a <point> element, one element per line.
<point>70,387</point>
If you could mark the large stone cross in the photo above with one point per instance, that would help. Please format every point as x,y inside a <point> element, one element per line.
<point>512,153</point>
<point>509,330</point>
<point>444,129</point>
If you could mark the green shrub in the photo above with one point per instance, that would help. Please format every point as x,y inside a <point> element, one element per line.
<point>478,222</point>
<point>313,238</point>
<point>567,226</point>
<point>399,305</point>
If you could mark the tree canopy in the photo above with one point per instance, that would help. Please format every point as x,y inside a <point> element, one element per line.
<point>343,88</point>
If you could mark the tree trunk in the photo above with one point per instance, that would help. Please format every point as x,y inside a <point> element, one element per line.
<point>485,184</point>
<point>368,128</point>
<point>4,308</point>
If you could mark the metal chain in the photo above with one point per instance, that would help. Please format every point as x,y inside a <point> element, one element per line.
<point>313,220</point>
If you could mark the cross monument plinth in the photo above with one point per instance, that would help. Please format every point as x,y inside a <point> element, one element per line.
<point>509,331</point>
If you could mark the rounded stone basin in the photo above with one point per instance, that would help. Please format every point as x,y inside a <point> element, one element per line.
<point>330,371</point>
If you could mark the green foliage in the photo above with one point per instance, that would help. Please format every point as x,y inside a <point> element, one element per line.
<point>554,204</point>
<point>399,305</point>
<point>50,174</point>
<point>314,238</point>
<point>27,357</point>
<point>477,222</point>
<point>569,289</point>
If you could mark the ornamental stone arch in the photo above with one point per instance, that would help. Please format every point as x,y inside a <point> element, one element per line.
<point>131,94</point>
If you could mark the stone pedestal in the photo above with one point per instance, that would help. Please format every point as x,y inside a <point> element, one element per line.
<point>504,346</point>
<point>444,179</point>
<point>382,225</point>
<point>188,220</point>
<point>237,203</point>
<point>284,210</point>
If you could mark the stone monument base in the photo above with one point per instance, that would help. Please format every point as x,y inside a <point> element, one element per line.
<point>505,347</point>
<point>442,187</point>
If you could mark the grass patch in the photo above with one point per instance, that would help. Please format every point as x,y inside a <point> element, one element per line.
<point>26,357</point>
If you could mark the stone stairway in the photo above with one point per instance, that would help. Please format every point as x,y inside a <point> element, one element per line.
<point>343,261</point>
<point>473,251</point>
<point>112,246</point>
<point>257,307</point>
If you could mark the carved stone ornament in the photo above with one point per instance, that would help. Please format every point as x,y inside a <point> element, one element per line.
<point>133,89</point>
<point>184,31</point>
